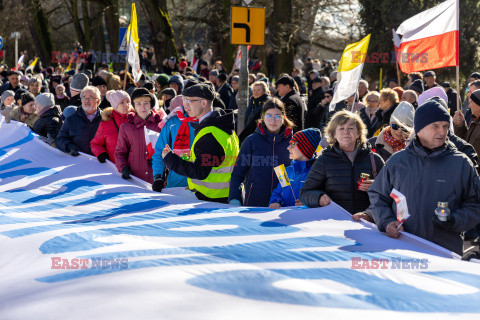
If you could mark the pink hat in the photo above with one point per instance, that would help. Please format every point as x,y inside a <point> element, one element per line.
<point>116,96</point>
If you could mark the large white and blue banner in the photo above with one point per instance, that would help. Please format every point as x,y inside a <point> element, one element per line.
<point>79,242</point>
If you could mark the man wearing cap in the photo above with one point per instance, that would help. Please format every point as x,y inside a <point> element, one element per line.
<point>214,149</point>
<point>13,82</point>
<point>428,171</point>
<point>452,97</point>
<point>79,81</point>
<point>224,89</point>
<point>429,77</point>
<point>294,105</point>
<point>79,129</point>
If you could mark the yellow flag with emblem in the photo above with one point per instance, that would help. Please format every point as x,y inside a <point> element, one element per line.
<point>350,70</point>
<point>282,175</point>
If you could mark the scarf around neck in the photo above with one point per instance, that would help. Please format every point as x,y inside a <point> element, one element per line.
<point>181,146</point>
<point>396,145</point>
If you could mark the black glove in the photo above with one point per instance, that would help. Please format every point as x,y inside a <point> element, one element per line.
<point>102,157</point>
<point>74,151</point>
<point>126,172</point>
<point>158,184</point>
<point>444,225</point>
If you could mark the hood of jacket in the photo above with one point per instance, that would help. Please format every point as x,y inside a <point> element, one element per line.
<point>108,113</point>
<point>224,121</point>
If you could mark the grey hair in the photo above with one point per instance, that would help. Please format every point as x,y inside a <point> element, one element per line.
<point>91,89</point>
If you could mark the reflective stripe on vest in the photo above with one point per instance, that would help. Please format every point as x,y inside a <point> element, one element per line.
<point>217,184</point>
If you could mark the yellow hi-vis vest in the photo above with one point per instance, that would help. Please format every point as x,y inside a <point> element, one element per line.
<point>217,184</point>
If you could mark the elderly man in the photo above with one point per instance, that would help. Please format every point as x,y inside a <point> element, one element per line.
<point>430,77</point>
<point>79,129</point>
<point>428,171</point>
<point>411,97</point>
<point>213,151</point>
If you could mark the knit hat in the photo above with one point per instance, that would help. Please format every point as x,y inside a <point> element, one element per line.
<point>307,141</point>
<point>183,64</point>
<point>235,79</point>
<point>417,86</point>
<point>6,94</point>
<point>26,98</point>
<point>79,81</point>
<point>162,79</point>
<point>214,73</point>
<point>169,92</point>
<point>46,100</point>
<point>433,92</point>
<point>428,113</point>
<point>403,115</point>
<point>98,81</point>
<point>177,80</point>
<point>149,85</point>
<point>475,96</point>
<point>116,96</point>
<point>189,83</point>
<point>142,92</point>
<point>286,79</point>
<point>18,94</point>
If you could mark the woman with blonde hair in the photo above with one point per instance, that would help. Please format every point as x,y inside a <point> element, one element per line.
<point>337,172</point>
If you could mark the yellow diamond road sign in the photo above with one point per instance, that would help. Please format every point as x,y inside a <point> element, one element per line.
<point>248,26</point>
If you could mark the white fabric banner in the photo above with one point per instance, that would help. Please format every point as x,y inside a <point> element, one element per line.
<point>77,241</point>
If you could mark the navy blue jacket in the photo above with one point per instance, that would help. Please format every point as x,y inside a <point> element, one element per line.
<point>260,153</point>
<point>77,130</point>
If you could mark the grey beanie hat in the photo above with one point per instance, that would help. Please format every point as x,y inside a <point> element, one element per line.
<point>46,100</point>
<point>6,94</point>
<point>404,115</point>
<point>79,81</point>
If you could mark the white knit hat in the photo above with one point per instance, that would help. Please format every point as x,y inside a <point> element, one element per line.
<point>403,115</point>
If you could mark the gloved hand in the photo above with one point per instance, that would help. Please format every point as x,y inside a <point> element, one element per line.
<point>444,225</point>
<point>158,184</point>
<point>74,151</point>
<point>48,139</point>
<point>126,172</point>
<point>235,202</point>
<point>102,157</point>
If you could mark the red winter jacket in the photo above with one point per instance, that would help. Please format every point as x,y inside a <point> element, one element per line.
<point>131,147</point>
<point>105,139</point>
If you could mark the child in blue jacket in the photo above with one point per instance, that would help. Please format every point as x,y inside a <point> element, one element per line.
<point>302,150</point>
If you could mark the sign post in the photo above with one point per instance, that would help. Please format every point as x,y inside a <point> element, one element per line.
<point>247,28</point>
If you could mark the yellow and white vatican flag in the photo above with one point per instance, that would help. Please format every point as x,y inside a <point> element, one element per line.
<point>349,70</point>
<point>132,45</point>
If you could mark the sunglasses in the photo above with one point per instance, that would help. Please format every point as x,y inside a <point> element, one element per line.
<point>395,127</point>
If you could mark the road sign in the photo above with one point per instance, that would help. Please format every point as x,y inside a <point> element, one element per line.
<point>122,41</point>
<point>247,26</point>
<point>1,43</point>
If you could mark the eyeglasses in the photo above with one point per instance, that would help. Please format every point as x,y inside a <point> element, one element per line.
<point>89,99</point>
<point>276,117</point>
<point>395,127</point>
<point>188,101</point>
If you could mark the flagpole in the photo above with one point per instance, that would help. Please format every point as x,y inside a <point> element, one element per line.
<point>126,60</point>
<point>458,56</point>
<point>380,81</point>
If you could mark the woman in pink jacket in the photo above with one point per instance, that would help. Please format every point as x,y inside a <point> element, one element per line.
<point>131,154</point>
<point>105,141</point>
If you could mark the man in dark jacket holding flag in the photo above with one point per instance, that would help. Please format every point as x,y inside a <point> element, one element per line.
<point>428,171</point>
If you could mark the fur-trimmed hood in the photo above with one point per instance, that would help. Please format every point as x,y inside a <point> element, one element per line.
<point>107,113</point>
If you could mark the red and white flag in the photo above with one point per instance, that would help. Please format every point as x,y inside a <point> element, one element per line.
<point>195,64</point>
<point>428,40</point>
<point>151,138</point>
<point>402,207</point>
<point>238,59</point>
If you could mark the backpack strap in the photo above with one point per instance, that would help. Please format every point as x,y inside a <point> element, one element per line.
<point>374,166</point>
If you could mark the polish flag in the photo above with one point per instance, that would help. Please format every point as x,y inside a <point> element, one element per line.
<point>195,64</point>
<point>151,138</point>
<point>428,40</point>
<point>238,59</point>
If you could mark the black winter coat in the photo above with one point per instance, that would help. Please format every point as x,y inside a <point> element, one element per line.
<point>295,108</point>
<point>382,119</point>
<point>78,131</point>
<point>312,119</point>
<point>49,122</point>
<point>335,175</point>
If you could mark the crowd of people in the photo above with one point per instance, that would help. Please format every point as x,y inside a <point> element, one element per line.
<point>410,138</point>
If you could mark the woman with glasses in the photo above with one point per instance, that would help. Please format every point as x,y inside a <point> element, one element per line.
<point>395,137</point>
<point>336,174</point>
<point>259,154</point>
<point>105,141</point>
<point>367,114</point>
